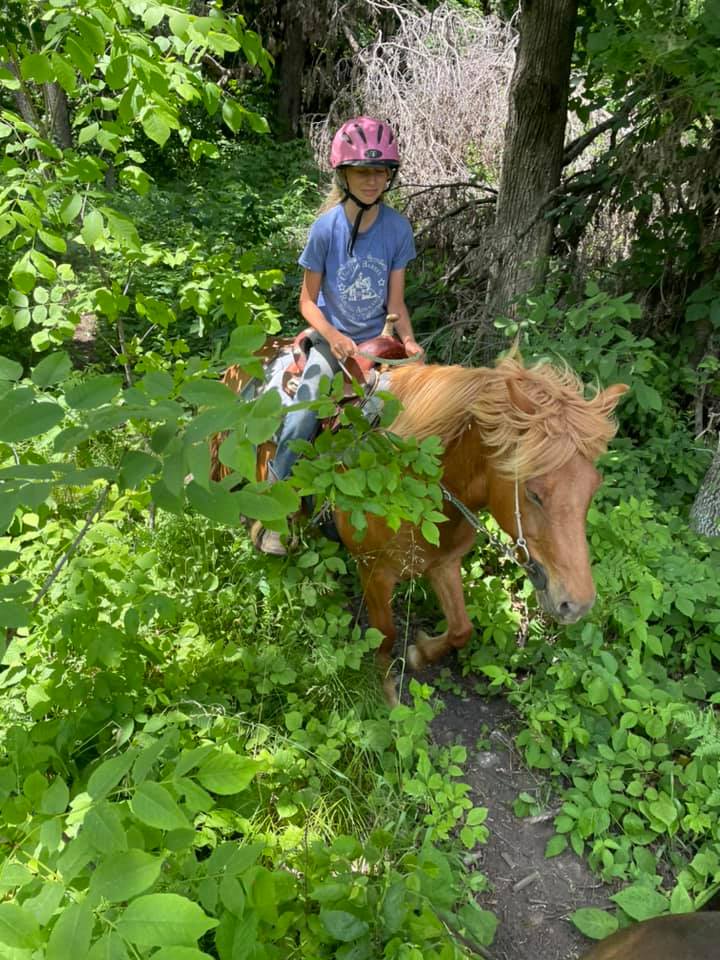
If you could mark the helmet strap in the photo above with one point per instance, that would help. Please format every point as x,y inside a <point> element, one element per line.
<point>362,207</point>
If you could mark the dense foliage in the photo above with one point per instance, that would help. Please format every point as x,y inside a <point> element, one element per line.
<point>196,761</point>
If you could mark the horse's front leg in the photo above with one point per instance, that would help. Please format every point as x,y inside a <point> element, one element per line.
<point>446,581</point>
<point>378,585</point>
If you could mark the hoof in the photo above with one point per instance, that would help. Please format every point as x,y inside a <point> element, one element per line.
<point>415,658</point>
<point>390,691</point>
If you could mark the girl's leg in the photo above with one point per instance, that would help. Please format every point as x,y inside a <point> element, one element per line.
<point>301,424</point>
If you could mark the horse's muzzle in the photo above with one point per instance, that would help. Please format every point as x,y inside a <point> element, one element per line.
<point>565,610</point>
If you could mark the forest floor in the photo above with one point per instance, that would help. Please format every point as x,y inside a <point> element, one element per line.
<point>532,896</point>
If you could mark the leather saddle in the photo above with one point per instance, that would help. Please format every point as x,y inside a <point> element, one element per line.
<point>360,368</point>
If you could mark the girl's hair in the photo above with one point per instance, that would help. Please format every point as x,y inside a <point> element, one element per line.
<point>333,197</point>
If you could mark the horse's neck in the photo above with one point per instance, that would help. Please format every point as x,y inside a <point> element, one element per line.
<point>466,469</point>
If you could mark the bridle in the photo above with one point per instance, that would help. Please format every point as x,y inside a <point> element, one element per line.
<point>518,552</point>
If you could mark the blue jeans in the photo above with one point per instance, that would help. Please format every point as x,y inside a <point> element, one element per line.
<point>302,424</point>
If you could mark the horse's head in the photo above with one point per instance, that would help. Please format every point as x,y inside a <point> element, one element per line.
<point>553,503</point>
<point>553,509</point>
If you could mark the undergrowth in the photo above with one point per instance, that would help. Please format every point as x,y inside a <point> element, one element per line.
<point>197,754</point>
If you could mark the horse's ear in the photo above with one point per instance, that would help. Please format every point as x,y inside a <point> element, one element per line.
<point>611,395</point>
<point>518,397</point>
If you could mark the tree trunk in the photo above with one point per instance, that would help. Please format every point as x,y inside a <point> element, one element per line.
<point>533,151</point>
<point>57,113</point>
<point>24,104</point>
<point>291,62</point>
<point>705,513</point>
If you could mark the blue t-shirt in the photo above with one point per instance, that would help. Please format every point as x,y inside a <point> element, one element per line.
<point>353,294</point>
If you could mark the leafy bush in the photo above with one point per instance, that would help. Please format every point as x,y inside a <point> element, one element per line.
<point>615,707</point>
<point>193,763</point>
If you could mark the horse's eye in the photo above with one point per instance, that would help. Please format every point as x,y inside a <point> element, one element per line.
<point>533,498</point>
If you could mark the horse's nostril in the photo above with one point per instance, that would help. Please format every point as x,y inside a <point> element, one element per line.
<point>570,611</point>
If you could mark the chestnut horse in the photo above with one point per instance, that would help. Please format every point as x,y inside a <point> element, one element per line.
<point>519,442</point>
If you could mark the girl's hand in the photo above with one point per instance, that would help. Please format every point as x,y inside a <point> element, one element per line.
<point>412,349</point>
<point>342,347</point>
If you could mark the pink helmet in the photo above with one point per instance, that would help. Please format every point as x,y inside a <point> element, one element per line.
<point>364,142</point>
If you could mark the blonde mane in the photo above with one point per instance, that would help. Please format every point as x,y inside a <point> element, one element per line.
<point>446,401</point>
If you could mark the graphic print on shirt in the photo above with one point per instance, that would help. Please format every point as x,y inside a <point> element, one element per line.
<point>361,284</point>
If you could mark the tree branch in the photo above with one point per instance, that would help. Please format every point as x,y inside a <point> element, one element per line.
<point>55,573</point>
<point>574,149</point>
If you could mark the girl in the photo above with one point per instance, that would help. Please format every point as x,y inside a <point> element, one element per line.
<point>354,262</point>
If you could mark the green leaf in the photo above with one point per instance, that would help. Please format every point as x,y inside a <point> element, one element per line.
<point>601,791</point>
<point>93,36</point>
<point>45,904</point>
<point>93,392</point>
<point>103,828</point>
<point>153,805</point>
<point>215,503</point>
<point>641,902</point>
<point>594,923</point>
<point>556,845</point>
<point>13,614</point>
<point>88,133</point>
<point>136,466</point>
<point>343,925</point>
<point>122,229</point>
<point>53,241</point>
<point>10,369</point>
<point>265,417</point>
<point>598,691</point>
<point>64,72</point>
<point>647,397</point>
<point>259,506</point>
<point>93,227</point>
<point>18,928</point>
<point>51,370</point>
<point>349,483</point>
<point>233,114</point>
<point>163,920</point>
<point>480,924</point>
<point>70,936</point>
<point>239,455</point>
<point>181,953</point>
<point>126,875</point>
<point>117,72</point>
<point>244,342</point>
<point>55,799</point>
<point>430,532</point>
<point>71,207</point>
<point>208,392</point>
<point>664,810</point>
<point>227,773</point>
<point>36,67</point>
<point>157,125</point>
<point>109,774</point>
<point>680,900</point>
<point>35,419</point>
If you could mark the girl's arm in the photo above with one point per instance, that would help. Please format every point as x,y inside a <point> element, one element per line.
<point>340,345</point>
<point>396,304</point>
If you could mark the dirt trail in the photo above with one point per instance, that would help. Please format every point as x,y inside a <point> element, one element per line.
<point>532,896</point>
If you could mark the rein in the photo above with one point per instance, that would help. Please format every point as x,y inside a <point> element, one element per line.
<point>519,552</point>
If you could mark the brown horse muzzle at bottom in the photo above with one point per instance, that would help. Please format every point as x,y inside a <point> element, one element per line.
<point>565,611</point>
<point>683,936</point>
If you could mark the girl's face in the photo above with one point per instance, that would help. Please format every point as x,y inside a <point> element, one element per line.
<point>367,183</point>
